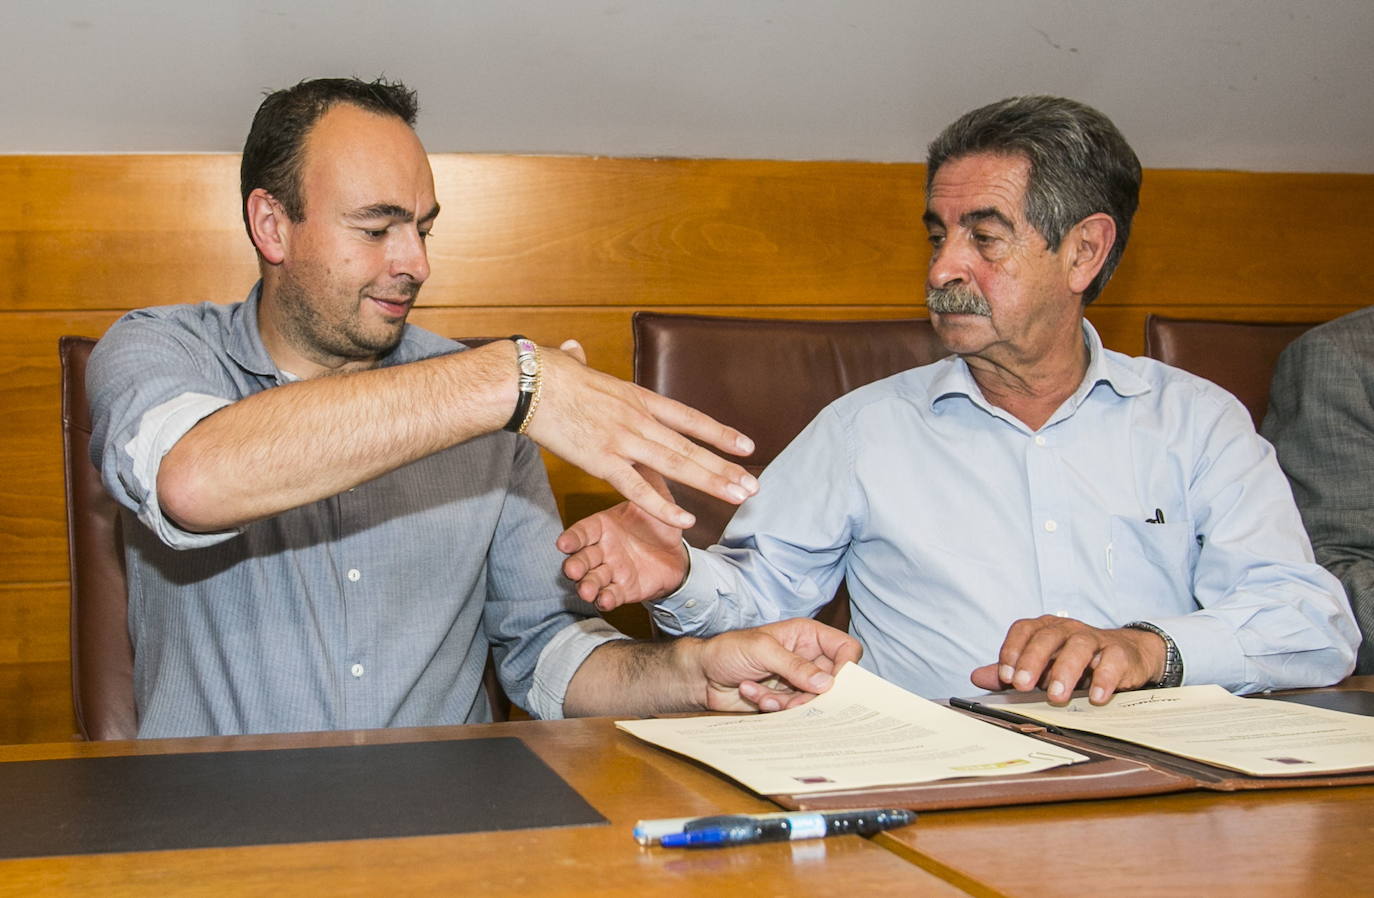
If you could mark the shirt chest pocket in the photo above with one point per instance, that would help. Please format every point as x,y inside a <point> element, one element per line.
<point>1151,567</point>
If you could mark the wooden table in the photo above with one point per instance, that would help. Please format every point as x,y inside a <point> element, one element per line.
<point>625,780</point>
<point>1286,843</point>
<point>1289,843</point>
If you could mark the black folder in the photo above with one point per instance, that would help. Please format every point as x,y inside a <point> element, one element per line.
<point>215,799</point>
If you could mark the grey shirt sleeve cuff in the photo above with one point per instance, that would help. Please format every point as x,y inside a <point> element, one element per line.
<point>158,431</point>
<point>559,661</point>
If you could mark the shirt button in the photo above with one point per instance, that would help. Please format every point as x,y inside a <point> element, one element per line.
<point>1039,440</point>
<point>1051,526</point>
<point>690,603</point>
<point>355,575</point>
<point>356,670</point>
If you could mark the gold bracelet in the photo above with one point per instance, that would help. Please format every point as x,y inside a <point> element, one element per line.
<point>538,389</point>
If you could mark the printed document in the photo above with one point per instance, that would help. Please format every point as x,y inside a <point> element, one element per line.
<point>1207,723</point>
<point>864,732</point>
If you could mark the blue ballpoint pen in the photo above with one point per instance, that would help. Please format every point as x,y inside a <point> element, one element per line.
<point>650,832</point>
<point>741,829</point>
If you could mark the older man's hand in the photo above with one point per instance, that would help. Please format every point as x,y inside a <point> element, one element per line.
<point>624,554</point>
<point>1060,654</point>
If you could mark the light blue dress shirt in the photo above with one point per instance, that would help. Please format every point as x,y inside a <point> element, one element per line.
<point>950,519</point>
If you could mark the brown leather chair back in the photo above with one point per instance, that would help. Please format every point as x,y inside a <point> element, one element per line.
<point>102,656</point>
<point>768,377</point>
<point>1237,355</point>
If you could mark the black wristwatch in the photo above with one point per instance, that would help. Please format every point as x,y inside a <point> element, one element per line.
<point>1173,661</point>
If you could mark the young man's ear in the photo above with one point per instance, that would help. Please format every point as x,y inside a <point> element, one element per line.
<point>269,225</point>
<point>1089,242</point>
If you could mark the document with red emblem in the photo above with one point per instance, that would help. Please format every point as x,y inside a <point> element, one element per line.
<point>868,743</point>
<point>1207,723</point>
<point>864,732</point>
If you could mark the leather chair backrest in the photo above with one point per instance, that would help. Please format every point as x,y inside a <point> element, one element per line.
<point>1237,355</point>
<point>102,656</point>
<point>768,377</point>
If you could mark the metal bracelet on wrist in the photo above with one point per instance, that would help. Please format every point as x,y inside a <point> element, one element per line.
<point>1173,661</point>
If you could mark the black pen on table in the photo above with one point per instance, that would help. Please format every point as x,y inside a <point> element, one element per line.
<point>742,829</point>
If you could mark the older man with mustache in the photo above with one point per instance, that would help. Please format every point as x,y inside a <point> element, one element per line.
<point>1034,511</point>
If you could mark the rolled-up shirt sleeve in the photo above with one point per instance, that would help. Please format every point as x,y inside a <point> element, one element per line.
<point>559,662</point>
<point>147,388</point>
<point>158,431</point>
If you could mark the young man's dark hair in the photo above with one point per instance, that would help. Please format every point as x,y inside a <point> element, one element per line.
<point>1079,165</point>
<point>273,154</point>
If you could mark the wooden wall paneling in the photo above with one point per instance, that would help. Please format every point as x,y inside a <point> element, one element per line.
<point>35,673</point>
<point>1219,239</point>
<point>37,702</point>
<point>559,247</point>
<point>100,232</point>
<point>574,231</point>
<point>121,232</point>
<point>33,622</point>
<point>35,677</point>
<point>124,231</point>
<point>33,536</point>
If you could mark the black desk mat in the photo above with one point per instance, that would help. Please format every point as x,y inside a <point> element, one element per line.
<point>216,799</point>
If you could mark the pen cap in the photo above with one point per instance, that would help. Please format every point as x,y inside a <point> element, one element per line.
<point>866,823</point>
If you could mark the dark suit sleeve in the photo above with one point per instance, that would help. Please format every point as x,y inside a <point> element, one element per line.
<point>1321,421</point>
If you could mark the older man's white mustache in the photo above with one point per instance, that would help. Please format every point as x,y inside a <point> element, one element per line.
<point>957,300</point>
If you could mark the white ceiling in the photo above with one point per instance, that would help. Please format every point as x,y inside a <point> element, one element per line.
<point>1248,84</point>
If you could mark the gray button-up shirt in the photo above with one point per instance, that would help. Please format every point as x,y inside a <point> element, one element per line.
<point>371,608</point>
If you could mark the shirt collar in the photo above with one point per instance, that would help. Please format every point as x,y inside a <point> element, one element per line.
<point>244,341</point>
<point>956,380</point>
<point>1107,368</point>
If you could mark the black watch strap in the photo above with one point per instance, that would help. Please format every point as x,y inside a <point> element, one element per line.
<point>527,360</point>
